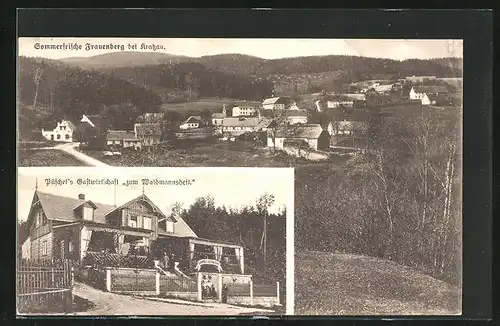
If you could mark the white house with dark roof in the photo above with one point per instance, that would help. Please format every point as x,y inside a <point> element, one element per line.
<point>275,103</point>
<point>191,123</point>
<point>62,132</point>
<point>84,230</point>
<point>245,108</point>
<point>122,138</point>
<point>239,125</point>
<point>418,92</point>
<point>312,134</point>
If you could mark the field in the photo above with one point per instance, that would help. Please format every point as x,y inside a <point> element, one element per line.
<point>343,284</point>
<point>46,157</point>
<point>211,104</point>
<point>218,154</point>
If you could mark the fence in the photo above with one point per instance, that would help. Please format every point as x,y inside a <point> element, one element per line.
<point>230,288</point>
<point>131,280</point>
<point>44,285</point>
<point>252,294</point>
<point>170,284</point>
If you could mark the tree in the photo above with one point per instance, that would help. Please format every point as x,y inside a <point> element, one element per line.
<point>36,79</point>
<point>263,203</point>
<point>279,124</point>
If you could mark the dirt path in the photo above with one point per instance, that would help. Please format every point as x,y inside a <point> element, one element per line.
<point>69,148</point>
<point>106,303</point>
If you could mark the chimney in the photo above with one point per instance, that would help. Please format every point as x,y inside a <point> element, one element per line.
<point>81,196</point>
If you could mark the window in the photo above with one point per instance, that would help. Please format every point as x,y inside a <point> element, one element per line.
<point>38,219</point>
<point>66,136</point>
<point>88,213</point>
<point>58,136</point>
<point>44,248</point>
<point>170,226</point>
<point>133,222</point>
<point>147,223</point>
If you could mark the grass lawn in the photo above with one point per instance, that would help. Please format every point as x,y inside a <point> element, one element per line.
<point>211,104</point>
<point>219,154</point>
<point>344,284</point>
<point>47,157</point>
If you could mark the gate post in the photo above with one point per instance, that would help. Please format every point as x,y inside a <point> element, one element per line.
<point>157,283</point>
<point>251,292</point>
<point>198,281</point>
<point>219,285</point>
<point>108,279</point>
<point>278,291</point>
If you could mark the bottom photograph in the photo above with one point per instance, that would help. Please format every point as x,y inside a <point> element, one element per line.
<point>155,241</point>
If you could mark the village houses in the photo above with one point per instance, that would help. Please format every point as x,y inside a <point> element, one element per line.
<point>122,138</point>
<point>418,92</point>
<point>276,103</point>
<point>245,108</point>
<point>236,126</point>
<point>191,123</point>
<point>62,132</point>
<point>311,134</point>
<point>85,230</point>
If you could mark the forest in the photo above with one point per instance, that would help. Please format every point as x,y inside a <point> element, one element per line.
<point>398,200</point>
<point>244,226</point>
<point>49,91</point>
<point>357,68</point>
<point>188,81</point>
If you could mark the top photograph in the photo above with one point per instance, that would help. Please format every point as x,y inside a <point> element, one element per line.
<point>226,102</point>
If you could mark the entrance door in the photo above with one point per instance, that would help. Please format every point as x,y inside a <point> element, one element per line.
<point>52,137</point>
<point>61,245</point>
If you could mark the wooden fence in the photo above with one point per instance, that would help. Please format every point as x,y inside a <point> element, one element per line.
<point>44,285</point>
<point>169,284</point>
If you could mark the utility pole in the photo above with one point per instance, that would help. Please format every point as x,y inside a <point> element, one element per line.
<point>265,242</point>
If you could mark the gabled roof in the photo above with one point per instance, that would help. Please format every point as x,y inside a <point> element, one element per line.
<point>240,122</point>
<point>305,131</point>
<point>430,89</point>
<point>193,119</point>
<point>142,197</point>
<point>147,129</point>
<point>218,115</point>
<point>119,135</point>
<point>62,208</point>
<point>274,100</point>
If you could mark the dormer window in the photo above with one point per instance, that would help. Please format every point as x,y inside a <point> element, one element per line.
<point>88,213</point>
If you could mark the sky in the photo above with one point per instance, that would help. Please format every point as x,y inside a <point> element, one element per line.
<point>397,49</point>
<point>232,187</point>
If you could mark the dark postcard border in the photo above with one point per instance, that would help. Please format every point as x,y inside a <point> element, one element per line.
<point>474,26</point>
